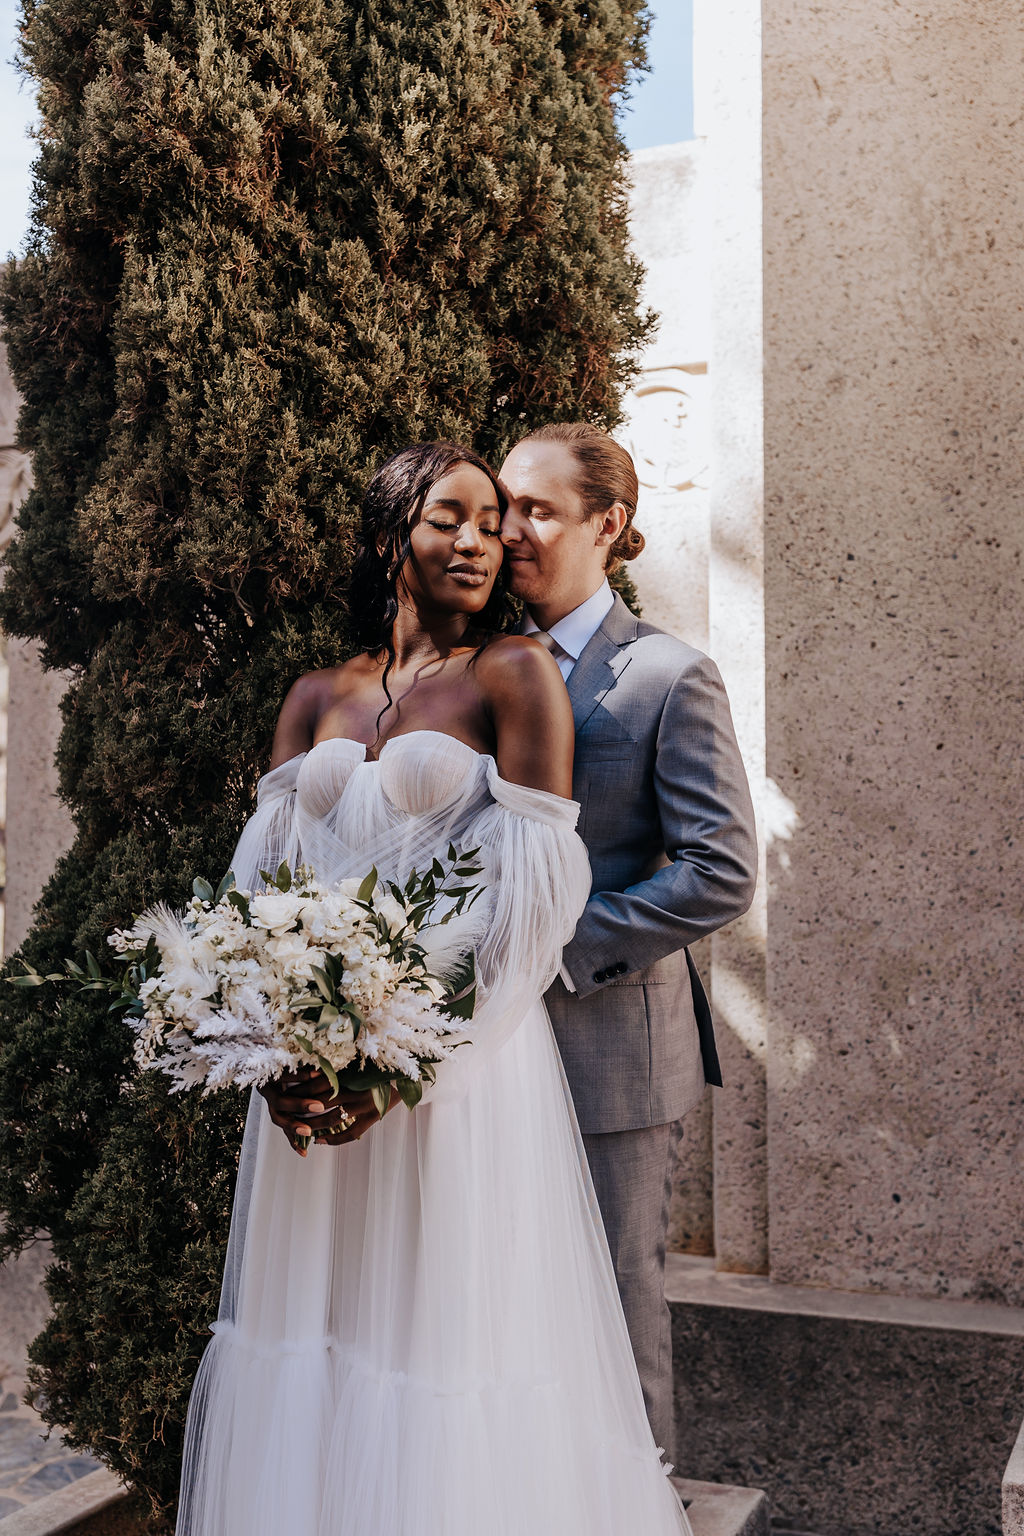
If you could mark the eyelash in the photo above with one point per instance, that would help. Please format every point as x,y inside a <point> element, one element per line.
<point>492,533</point>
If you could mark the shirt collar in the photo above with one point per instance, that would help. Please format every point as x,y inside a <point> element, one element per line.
<point>578,627</point>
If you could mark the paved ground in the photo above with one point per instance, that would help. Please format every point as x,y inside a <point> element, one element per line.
<point>31,1465</point>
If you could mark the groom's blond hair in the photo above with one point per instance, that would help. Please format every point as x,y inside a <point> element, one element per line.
<point>607,474</point>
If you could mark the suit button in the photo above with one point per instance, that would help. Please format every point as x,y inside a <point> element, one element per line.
<point>599,976</point>
<point>621,968</point>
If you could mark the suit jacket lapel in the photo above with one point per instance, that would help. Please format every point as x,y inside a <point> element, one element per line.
<point>602,662</point>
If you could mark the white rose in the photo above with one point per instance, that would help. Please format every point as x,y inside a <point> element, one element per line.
<point>393,912</point>
<point>276,911</point>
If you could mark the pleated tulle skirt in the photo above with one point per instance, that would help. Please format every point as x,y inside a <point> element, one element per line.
<point>422,1334</point>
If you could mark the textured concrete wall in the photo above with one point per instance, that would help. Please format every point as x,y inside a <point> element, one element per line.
<point>38,827</point>
<point>37,831</point>
<point>894,276</point>
<point>858,1415</point>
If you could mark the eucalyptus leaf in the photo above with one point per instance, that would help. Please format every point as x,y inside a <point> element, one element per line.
<point>202,888</point>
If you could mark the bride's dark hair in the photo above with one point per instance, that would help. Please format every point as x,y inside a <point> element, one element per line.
<point>393,500</point>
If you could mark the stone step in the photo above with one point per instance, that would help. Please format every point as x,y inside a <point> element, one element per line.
<point>98,1505</point>
<point>94,1506</point>
<point>719,1509</point>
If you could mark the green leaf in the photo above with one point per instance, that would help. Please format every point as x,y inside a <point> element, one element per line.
<point>410,1090</point>
<point>30,979</point>
<point>380,1093</point>
<point>238,900</point>
<point>202,888</point>
<point>368,886</point>
<point>329,1014</point>
<point>283,878</point>
<point>323,984</point>
<point>461,1002</point>
<point>93,965</point>
<point>225,885</point>
<point>330,1074</point>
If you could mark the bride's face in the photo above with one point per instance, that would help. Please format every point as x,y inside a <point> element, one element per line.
<point>455,543</point>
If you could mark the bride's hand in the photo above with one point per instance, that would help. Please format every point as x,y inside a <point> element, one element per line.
<point>302,1104</point>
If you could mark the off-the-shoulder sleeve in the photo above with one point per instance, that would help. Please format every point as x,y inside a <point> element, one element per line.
<point>269,837</point>
<point>538,874</point>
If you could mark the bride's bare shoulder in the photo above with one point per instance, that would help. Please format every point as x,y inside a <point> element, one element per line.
<point>518,655</point>
<point>532,716</point>
<point>307,700</point>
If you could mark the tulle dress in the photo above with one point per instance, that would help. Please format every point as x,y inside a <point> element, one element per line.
<point>420,1333</point>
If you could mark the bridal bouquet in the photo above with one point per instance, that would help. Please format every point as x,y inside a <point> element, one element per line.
<point>367,980</point>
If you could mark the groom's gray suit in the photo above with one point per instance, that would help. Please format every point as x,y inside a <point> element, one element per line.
<point>667,819</point>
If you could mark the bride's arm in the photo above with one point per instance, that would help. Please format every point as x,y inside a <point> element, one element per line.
<point>531,714</point>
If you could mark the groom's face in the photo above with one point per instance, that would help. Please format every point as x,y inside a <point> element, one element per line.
<point>554,557</point>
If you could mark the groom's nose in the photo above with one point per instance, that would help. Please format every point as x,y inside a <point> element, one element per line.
<point>511,531</point>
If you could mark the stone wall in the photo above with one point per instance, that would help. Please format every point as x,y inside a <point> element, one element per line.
<point>894,395</point>
<point>37,826</point>
<point>868,630</point>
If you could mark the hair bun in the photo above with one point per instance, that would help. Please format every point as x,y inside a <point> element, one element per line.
<point>629,543</point>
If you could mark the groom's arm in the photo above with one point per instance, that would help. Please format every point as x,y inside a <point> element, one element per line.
<point>707,822</point>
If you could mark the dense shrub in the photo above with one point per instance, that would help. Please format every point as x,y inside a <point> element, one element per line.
<point>273,242</point>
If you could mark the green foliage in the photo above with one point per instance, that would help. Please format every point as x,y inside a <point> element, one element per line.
<point>273,242</point>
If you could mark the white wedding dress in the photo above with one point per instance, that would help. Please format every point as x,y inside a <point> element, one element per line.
<point>420,1333</point>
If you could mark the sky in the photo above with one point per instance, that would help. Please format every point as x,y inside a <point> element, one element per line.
<point>660,112</point>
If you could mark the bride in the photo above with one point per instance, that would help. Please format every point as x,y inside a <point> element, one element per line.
<point>420,1332</point>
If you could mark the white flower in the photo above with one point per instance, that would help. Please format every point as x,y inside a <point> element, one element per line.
<point>393,912</point>
<point>276,911</point>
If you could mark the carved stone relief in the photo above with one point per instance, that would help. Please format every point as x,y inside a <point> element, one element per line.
<point>666,432</point>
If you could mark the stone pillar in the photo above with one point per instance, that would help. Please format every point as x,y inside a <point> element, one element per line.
<point>893,230</point>
<point>694,429</point>
<point>727,111</point>
<point>667,431</point>
<point>38,827</point>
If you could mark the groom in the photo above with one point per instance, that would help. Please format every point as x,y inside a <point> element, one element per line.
<point>667,819</point>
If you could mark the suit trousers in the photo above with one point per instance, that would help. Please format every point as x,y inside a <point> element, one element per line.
<point>632,1173</point>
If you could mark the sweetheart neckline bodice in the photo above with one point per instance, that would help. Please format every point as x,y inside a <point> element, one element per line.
<point>362,746</point>
<point>399,736</point>
<point>540,804</point>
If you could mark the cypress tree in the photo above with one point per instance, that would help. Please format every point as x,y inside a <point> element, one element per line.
<point>274,240</point>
